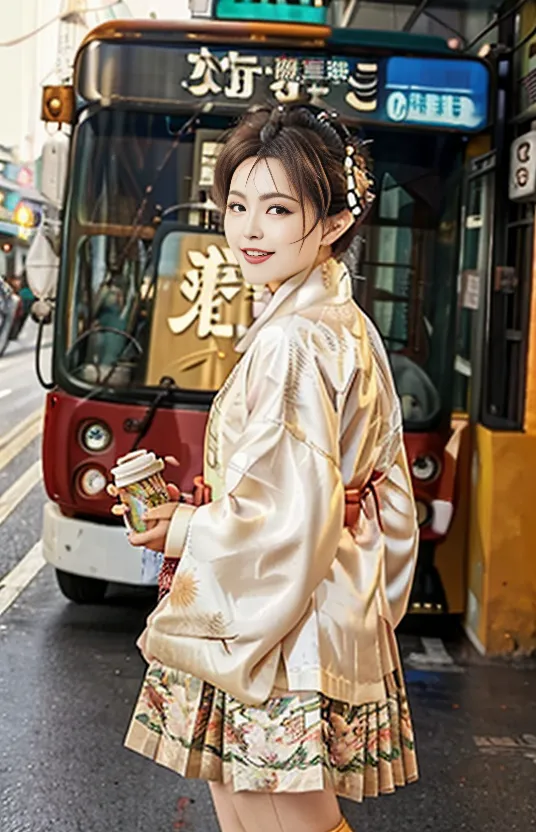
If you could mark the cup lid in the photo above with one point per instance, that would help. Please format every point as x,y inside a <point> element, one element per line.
<point>136,466</point>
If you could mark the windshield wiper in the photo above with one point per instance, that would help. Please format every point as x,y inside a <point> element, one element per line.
<point>167,386</point>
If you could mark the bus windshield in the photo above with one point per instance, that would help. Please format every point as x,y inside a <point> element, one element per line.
<point>150,290</point>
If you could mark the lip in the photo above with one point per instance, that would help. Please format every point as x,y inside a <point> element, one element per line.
<point>258,258</point>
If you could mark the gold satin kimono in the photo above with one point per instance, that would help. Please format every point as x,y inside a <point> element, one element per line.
<point>272,588</point>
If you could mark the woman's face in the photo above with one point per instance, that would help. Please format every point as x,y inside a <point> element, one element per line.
<point>264,224</point>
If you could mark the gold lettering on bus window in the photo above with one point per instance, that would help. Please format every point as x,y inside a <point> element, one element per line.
<point>214,279</point>
<point>201,308</point>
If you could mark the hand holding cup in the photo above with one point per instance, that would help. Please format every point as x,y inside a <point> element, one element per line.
<point>143,504</point>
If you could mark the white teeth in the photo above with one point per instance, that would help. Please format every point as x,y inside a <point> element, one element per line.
<point>256,253</point>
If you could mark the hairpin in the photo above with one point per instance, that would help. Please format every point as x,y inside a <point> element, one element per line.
<point>359,181</point>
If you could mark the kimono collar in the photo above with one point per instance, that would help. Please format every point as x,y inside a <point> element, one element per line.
<point>328,281</point>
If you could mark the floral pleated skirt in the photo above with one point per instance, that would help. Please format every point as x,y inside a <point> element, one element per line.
<point>294,742</point>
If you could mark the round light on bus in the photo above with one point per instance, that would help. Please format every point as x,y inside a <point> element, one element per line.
<point>424,513</point>
<point>96,437</point>
<point>425,468</point>
<point>92,482</point>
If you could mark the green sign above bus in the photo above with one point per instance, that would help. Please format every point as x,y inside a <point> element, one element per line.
<point>282,11</point>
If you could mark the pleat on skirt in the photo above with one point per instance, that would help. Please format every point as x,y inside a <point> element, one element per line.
<point>294,742</point>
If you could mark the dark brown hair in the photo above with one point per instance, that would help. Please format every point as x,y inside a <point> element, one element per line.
<point>311,150</point>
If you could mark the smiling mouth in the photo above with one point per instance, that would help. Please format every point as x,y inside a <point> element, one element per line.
<point>255,255</point>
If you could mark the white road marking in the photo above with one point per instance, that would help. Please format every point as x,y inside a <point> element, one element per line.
<point>435,656</point>
<point>524,744</point>
<point>8,437</point>
<point>14,495</point>
<point>4,393</point>
<point>20,576</point>
<point>19,437</point>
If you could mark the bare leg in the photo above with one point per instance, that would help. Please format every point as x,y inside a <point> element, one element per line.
<point>281,812</point>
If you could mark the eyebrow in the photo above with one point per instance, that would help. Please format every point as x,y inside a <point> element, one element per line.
<point>264,197</point>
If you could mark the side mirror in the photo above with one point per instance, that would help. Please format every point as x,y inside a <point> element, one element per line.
<point>42,262</point>
<point>54,165</point>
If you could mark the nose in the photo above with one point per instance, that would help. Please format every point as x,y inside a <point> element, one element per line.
<point>252,226</point>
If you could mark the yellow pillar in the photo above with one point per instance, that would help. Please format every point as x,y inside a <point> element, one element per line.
<point>501,603</point>
<point>501,610</point>
<point>530,397</point>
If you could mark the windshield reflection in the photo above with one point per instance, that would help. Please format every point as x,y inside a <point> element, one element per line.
<point>153,291</point>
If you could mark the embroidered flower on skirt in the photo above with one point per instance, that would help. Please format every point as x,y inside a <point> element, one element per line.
<point>294,742</point>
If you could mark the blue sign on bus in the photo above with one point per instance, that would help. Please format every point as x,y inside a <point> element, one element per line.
<point>436,91</point>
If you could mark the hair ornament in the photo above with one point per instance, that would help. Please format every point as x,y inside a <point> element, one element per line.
<point>359,181</point>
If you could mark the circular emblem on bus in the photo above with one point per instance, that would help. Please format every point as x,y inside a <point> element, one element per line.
<point>397,106</point>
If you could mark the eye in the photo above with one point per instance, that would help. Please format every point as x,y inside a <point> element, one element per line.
<point>278,210</point>
<point>236,207</point>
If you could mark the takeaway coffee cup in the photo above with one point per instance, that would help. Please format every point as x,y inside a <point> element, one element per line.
<point>138,479</point>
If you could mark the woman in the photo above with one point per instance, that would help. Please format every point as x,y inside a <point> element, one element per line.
<point>274,672</point>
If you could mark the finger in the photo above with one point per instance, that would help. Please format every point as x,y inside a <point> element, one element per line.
<point>162,512</point>
<point>153,535</point>
<point>120,510</point>
<point>172,460</point>
<point>173,491</point>
<point>112,490</point>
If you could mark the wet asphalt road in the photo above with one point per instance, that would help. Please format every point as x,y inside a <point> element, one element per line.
<point>69,677</point>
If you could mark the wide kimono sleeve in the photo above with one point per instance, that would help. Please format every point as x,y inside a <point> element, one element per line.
<point>401,535</point>
<point>253,558</point>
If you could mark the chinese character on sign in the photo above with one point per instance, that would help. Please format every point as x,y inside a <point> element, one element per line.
<point>364,82</point>
<point>286,84</point>
<point>417,104</point>
<point>214,279</point>
<point>234,74</point>
<point>432,100</point>
<point>242,70</point>
<point>313,69</point>
<point>439,105</point>
<point>452,107</point>
<point>337,71</point>
<point>202,80</point>
<point>316,93</point>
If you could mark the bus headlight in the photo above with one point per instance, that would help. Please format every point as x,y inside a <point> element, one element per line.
<point>96,437</point>
<point>425,468</point>
<point>424,513</point>
<point>91,482</point>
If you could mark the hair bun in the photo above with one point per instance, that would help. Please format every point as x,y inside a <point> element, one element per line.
<point>273,126</point>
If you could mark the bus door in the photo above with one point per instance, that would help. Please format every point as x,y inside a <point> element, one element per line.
<point>473,280</point>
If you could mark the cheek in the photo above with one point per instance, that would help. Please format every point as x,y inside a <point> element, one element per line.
<point>230,225</point>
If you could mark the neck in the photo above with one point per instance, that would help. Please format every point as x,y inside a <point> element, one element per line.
<point>324,253</point>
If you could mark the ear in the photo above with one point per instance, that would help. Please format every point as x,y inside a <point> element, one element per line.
<point>336,226</point>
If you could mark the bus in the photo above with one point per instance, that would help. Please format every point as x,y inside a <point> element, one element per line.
<point>149,301</point>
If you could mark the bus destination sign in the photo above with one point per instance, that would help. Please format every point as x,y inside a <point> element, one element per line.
<point>425,91</point>
<point>447,93</point>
